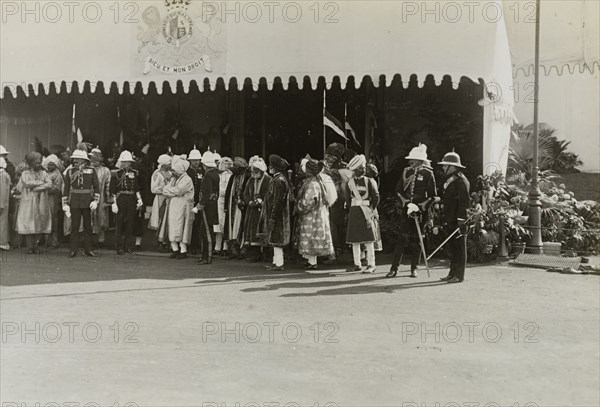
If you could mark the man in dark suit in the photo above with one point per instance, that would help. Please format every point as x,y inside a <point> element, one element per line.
<point>456,201</point>
<point>208,207</point>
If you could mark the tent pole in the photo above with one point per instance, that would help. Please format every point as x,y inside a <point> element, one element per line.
<point>323,120</point>
<point>535,206</point>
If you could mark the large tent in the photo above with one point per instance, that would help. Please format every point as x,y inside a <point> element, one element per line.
<point>45,44</point>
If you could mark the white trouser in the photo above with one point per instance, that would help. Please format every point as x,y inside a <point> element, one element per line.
<point>176,246</point>
<point>356,252</point>
<point>278,256</point>
<point>312,260</point>
<point>219,243</point>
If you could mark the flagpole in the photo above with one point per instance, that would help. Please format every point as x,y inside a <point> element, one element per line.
<point>324,129</point>
<point>345,118</point>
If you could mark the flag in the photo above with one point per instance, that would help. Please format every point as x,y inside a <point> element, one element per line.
<point>73,126</point>
<point>348,127</point>
<point>330,121</point>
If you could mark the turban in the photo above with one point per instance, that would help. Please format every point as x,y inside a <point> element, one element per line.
<point>52,158</point>
<point>357,162</point>
<point>179,165</point>
<point>371,171</point>
<point>96,154</point>
<point>278,163</point>
<point>164,159</point>
<point>225,164</point>
<point>32,158</point>
<point>239,162</point>
<point>336,150</point>
<point>253,160</point>
<point>260,164</point>
<point>313,167</point>
<point>2,162</point>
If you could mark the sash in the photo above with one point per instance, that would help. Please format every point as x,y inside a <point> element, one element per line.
<point>366,210</point>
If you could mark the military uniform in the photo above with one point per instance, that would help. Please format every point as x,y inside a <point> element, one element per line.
<point>124,186</point>
<point>456,201</point>
<point>209,213</point>
<point>417,186</point>
<point>81,187</point>
<point>196,175</point>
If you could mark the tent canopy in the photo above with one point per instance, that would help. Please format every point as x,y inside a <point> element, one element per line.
<point>151,41</point>
<point>171,40</point>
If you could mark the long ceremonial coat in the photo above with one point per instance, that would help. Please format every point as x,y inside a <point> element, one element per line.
<point>34,209</point>
<point>256,189</point>
<point>277,210</point>
<point>178,219</point>
<point>314,231</point>
<point>223,184</point>
<point>100,218</point>
<point>234,215</point>
<point>5,183</point>
<point>55,193</point>
<point>160,179</point>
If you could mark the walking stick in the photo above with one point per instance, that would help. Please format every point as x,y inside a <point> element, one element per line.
<point>422,245</point>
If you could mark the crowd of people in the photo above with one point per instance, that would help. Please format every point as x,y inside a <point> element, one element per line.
<point>222,207</point>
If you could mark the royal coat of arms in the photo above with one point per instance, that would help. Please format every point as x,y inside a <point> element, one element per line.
<point>179,37</point>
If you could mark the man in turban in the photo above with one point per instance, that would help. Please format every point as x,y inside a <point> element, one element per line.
<point>337,213</point>
<point>277,211</point>
<point>33,217</point>
<point>196,173</point>
<point>224,166</point>
<point>160,179</point>
<point>178,218</point>
<point>235,207</point>
<point>313,232</point>
<point>362,197</point>
<point>208,206</point>
<point>52,164</point>
<point>100,216</point>
<point>254,196</point>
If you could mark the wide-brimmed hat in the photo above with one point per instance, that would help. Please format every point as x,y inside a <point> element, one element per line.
<point>451,158</point>
<point>80,154</point>
<point>418,153</point>
<point>3,150</point>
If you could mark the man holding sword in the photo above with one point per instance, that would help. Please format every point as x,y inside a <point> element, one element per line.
<point>416,190</point>
<point>125,189</point>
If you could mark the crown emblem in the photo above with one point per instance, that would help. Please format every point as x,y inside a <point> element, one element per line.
<point>173,5</point>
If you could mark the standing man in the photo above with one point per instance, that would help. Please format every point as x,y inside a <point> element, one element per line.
<point>337,214</point>
<point>208,206</point>
<point>277,211</point>
<point>196,173</point>
<point>53,167</point>
<point>100,218</point>
<point>125,189</point>
<point>10,168</point>
<point>362,197</point>
<point>456,201</point>
<point>80,198</point>
<point>5,185</point>
<point>235,207</point>
<point>254,195</point>
<point>417,187</point>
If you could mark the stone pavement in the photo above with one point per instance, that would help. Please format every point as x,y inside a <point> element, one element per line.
<point>149,331</point>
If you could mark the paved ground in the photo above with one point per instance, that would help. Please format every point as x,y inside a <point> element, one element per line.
<point>176,334</point>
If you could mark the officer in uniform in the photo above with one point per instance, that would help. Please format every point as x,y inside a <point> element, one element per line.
<point>208,206</point>
<point>417,187</point>
<point>125,189</point>
<point>80,197</point>
<point>196,173</point>
<point>456,200</point>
